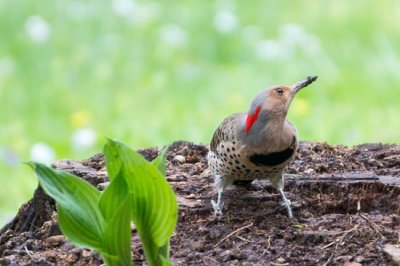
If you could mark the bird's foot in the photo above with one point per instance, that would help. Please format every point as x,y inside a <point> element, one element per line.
<point>286,203</point>
<point>287,206</point>
<point>217,206</point>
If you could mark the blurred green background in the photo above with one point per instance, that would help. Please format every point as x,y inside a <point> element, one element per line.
<point>151,72</point>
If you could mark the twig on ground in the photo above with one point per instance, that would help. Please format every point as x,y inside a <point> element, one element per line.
<point>345,233</point>
<point>244,239</point>
<point>207,257</point>
<point>328,245</point>
<point>360,164</point>
<point>201,189</point>
<point>339,240</point>
<point>372,224</point>
<point>234,232</point>
<point>328,261</point>
<point>29,253</point>
<point>269,241</point>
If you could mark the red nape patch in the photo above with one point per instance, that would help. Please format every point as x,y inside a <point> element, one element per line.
<point>252,118</point>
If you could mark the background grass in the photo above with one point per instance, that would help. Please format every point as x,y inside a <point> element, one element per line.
<point>151,72</point>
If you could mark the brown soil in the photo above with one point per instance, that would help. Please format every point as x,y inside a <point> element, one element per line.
<point>346,204</point>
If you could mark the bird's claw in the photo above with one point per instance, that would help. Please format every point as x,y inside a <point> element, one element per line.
<point>217,206</point>
<point>286,204</point>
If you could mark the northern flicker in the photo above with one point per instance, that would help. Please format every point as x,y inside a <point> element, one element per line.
<point>257,144</point>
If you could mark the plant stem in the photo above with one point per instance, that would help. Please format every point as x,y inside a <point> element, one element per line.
<point>164,250</point>
<point>113,261</point>
<point>149,251</point>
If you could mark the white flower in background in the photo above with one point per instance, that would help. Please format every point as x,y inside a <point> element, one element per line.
<point>269,49</point>
<point>312,46</point>
<point>124,8</point>
<point>294,36</point>
<point>7,66</point>
<point>78,10</point>
<point>293,33</point>
<point>42,153</point>
<point>136,12</point>
<point>37,29</point>
<point>84,138</point>
<point>225,21</point>
<point>293,39</point>
<point>148,12</point>
<point>173,35</point>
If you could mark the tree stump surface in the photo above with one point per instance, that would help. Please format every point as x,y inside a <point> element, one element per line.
<point>346,204</point>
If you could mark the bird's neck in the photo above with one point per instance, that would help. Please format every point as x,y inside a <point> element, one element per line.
<point>269,129</point>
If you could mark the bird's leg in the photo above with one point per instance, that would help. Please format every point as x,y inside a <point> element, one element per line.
<point>286,203</point>
<point>217,206</point>
<point>221,182</point>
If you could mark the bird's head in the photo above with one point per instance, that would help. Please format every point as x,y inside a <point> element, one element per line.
<point>273,103</point>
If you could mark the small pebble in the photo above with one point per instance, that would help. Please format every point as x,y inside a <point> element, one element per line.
<point>280,260</point>
<point>179,159</point>
<point>309,171</point>
<point>190,196</point>
<point>226,255</point>
<point>102,186</point>
<point>55,240</point>
<point>71,258</point>
<point>86,253</point>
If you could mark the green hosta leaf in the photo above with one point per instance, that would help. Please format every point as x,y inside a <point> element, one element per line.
<point>159,162</point>
<point>113,196</point>
<point>112,161</point>
<point>117,236</point>
<point>79,216</point>
<point>154,206</point>
<point>115,207</point>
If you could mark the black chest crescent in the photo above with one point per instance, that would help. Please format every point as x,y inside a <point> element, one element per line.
<point>273,158</point>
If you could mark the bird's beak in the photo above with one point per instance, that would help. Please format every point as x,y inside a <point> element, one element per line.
<point>303,83</point>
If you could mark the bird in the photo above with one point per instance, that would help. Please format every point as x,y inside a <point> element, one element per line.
<point>257,144</point>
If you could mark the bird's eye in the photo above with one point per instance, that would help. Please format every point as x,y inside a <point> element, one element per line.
<point>279,90</point>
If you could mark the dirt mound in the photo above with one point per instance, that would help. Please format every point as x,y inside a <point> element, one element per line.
<point>346,204</point>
